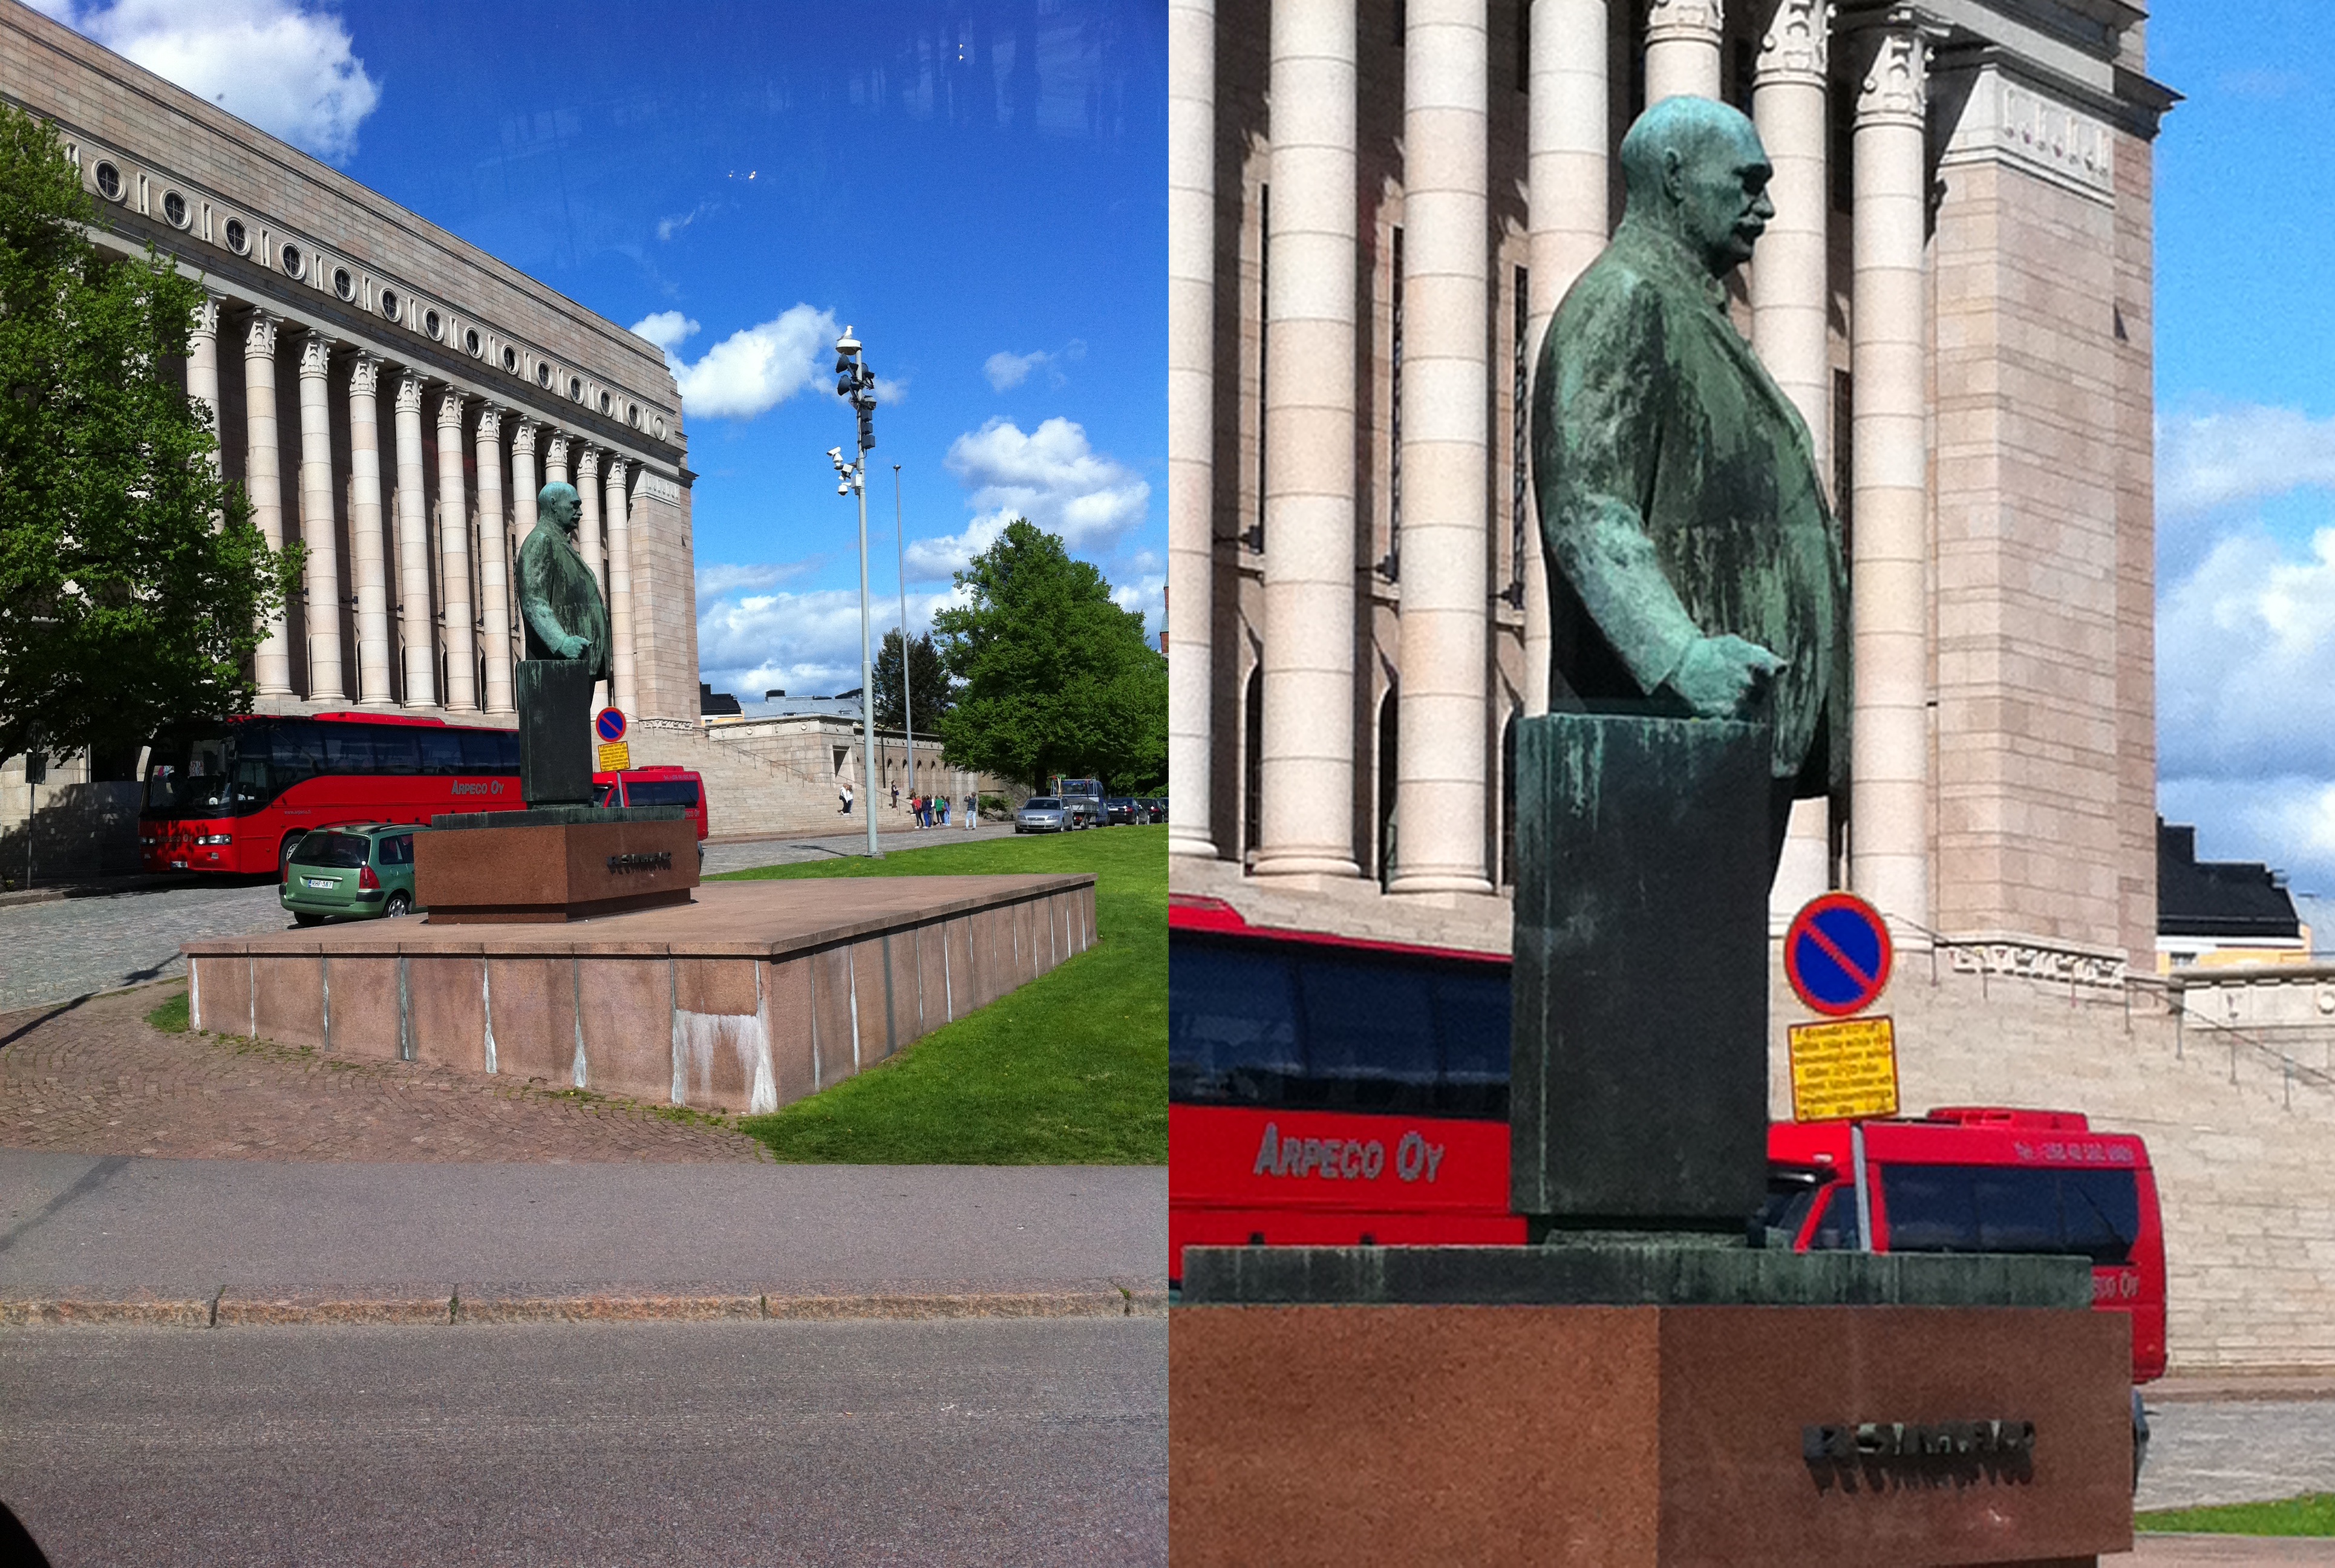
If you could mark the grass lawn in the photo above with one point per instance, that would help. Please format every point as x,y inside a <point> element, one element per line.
<point>1069,1070</point>
<point>2309,1515</point>
<point>170,1018</point>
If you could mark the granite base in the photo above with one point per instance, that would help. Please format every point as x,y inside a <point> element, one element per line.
<point>552,866</point>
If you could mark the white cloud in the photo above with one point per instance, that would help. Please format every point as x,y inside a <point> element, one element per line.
<point>1007,371</point>
<point>805,643</point>
<point>1049,476</point>
<point>1147,596</point>
<point>280,65</point>
<point>752,371</point>
<point>668,226</point>
<point>2247,452</point>
<point>714,581</point>
<point>2245,657</point>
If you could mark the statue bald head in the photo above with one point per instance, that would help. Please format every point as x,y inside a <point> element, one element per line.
<point>557,503</point>
<point>1695,169</point>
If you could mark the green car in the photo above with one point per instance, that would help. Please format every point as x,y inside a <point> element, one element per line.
<point>358,871</point>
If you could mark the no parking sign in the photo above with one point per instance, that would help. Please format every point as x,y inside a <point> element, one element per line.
<point>1836,954</point>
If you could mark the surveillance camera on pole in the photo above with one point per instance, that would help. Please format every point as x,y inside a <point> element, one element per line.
<point>856,383</point>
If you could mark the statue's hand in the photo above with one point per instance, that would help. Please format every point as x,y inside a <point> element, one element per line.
<point>572,646</point>
<point>1719,676</point>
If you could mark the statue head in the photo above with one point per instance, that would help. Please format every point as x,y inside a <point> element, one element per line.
<point>556,504</point>
<point>1695,169</point>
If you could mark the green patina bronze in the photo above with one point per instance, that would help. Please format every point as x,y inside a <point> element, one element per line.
<point>1695,569</point>
<point>557,597</point>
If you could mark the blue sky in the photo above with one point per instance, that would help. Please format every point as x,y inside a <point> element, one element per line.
<point>2245,385</point>
<point>977,187</point>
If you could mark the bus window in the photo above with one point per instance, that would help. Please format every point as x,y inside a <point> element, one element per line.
<point>2018,1209</point>
<point>1367,1029</point>
<point>348,748</point>
<point>295,751</point>
<point>1930,1209</point>
<point>441,750</point>
<point>1836,1229</point>
<point>605,795</point>
<point>1471,1025</point>
<point>2101,1211</point>
<point>661,792</point>
<point>482,751</point>
<point>1232,1025</point>
<point>1944,1208</point>
<point>394,750</point>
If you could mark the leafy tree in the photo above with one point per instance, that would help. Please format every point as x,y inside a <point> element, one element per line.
<point>931,691</point>
<point>132,582</point>
<point>1058,679</point>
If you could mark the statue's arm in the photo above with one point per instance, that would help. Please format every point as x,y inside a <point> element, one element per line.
<point>535,607</point>
<point>1598,425</point>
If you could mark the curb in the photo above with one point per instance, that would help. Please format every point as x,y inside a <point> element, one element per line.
<point>227,1310</point>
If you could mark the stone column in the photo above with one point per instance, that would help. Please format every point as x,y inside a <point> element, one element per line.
<point>1569,194</point>
<point>555,458</point>
<point>1308,767</point>
<point>1439,772</point>
<point>202,365</point>
<point>264,483</point>
<point>319,529</point>
<point>414,618</point>
<point>494,565</point>
<point>1683,43</point>
<point>1888,585</point>
<point>1790,300</point>
<point>623,687</point>
<point>588,525</point>
<point>368,554</point>
<point>454,561</point>
<point>1191,414</point>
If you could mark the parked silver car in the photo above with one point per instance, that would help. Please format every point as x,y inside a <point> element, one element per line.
<point>1042,814</point>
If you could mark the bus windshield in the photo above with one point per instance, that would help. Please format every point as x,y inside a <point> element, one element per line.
<point>202,773</point>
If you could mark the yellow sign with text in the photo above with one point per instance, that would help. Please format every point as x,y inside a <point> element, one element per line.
<point>1844,1068</point>
<point>616,756</point>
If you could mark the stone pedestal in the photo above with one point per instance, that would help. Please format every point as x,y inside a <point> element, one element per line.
<point>555,731</point>
<point>1592,1405</point>
<point>1640,1055</point>
<point>554,864</point>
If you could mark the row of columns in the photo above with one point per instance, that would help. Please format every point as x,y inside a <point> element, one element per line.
<point>385,552</point>
<point>1307,825</point>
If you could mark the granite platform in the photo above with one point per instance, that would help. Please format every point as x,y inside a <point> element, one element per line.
<point>753,995</point>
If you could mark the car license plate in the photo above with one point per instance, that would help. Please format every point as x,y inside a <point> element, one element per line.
<point>325,882</point>
<point>178,865</point>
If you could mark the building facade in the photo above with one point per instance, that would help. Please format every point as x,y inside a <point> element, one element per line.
<point>1376,205</point>
<point>389,396</point>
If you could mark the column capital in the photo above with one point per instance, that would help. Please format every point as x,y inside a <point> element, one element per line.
<point>1895,88</point>
<point>523,430</point>
<point>1797,46</point>
<point>207,317</point>
<point>409,392</point>
<point>449,408</point>
<point>1685,21</point>
<point>557,448</point>
<point>364,373</point>
<point>490,421</point>
<point>316,353</point>
<point>259,337</point>
<point>616,467</point>
<point>588,462</point>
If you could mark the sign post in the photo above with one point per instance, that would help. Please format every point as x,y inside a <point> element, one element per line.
<point>1837,956</point>
<point>615,752</point>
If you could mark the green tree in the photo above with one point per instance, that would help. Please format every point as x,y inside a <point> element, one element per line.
<point>1057,678</point>
<point>932,689</point>
<point>132,581</point>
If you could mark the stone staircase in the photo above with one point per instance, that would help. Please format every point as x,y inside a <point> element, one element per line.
<point>745,795</point>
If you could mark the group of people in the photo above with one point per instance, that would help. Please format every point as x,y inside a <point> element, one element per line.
<point>932,811</point>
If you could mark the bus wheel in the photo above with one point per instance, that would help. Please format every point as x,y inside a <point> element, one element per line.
<point>283,853</point>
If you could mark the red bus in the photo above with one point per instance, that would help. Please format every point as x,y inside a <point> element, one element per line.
<point>234,796</point>
<point>1332,1092</point>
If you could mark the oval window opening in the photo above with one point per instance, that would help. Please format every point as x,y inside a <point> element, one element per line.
<point>432,325</point>
<point>510,358</point>
<point>390,305</point>
<point>108,181</point>
<point>470,342</point>
<point>575,388</point>
<point>293,260</point>
<point>343,283</point>
<point>604,403</point>
<point>238,240</point>
<point>543,375</point>
<point>174,208</point>
<point>632,415</point>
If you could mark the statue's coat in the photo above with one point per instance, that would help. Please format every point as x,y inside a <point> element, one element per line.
<point>1679,499</point>
<point>557,594</point>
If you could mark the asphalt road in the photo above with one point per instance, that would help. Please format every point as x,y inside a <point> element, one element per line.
<point>106,1224</point>
<point>2205,1452</point>
<point>1029,1441</point>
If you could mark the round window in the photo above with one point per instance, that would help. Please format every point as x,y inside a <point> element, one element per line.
<point>510,358</point>
<point>293,260</point>
<point>238,240</point>
<point>108,181</point>
<point>575,388</point>
<point>390,305</point>
<point>174,208</point>
<point>543,375</point>
<point>343,283</point>
<point>470,342</point>
<point>632,415</point>
<point>434,325</point>
<point>660,430</point>
<point>604,403</point>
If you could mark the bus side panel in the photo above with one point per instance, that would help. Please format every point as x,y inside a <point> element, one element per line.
<point>1316,1160</point>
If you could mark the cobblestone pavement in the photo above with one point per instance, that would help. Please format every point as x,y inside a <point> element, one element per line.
<point>2216,1451</point>
<point>737,855</point>
<point>94,1078</point>
<point>70,947</point>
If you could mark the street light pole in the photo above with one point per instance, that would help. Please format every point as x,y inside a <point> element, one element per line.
<point>907,687</point>
<point>854,381</point>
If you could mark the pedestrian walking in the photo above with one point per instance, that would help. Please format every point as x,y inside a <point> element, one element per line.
<point>972,812</point>
<point>896,796</point>
<point>845,793</point>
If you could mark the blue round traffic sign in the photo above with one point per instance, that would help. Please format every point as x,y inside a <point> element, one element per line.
<point>1836,954</point>
<point>610,724</point>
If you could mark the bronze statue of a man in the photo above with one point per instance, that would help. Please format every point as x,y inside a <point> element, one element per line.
<point>1695,568</point>
<point>567,649</point>
<point>559,598</point>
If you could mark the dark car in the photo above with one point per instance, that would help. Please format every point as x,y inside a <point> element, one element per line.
<point>1152,809</point>
<point>1119,809</point>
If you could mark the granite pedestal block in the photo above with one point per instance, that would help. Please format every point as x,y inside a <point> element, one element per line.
<point>555,731</point>
<point>1639,1054</point>
<point>558,864</point>
<point>1635,1404</point>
